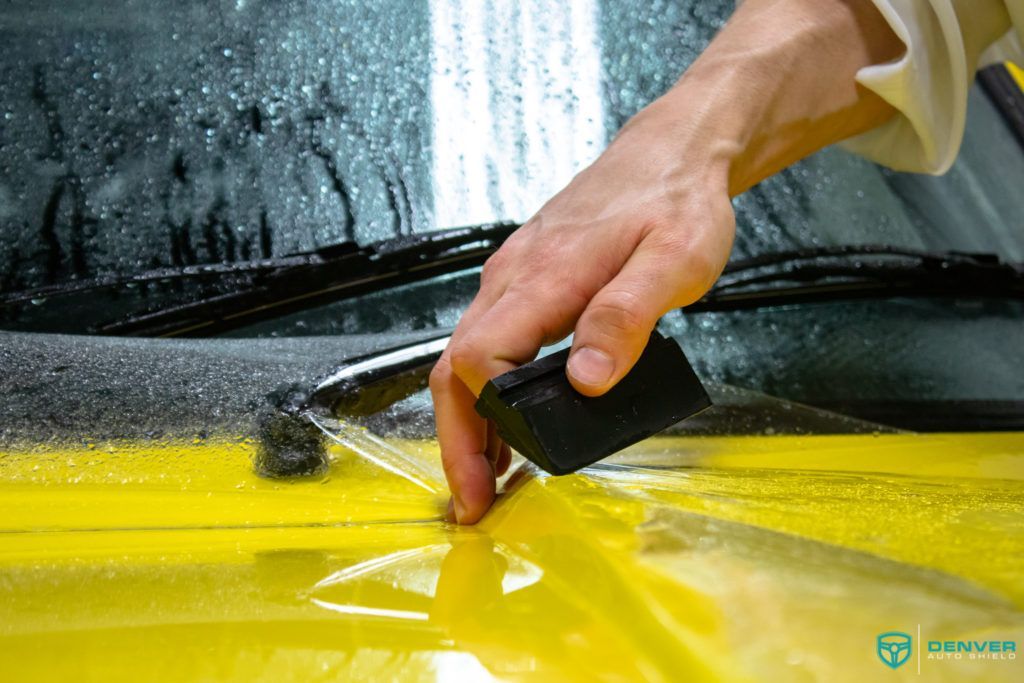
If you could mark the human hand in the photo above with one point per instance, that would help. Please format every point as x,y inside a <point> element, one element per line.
<point>645,229</point>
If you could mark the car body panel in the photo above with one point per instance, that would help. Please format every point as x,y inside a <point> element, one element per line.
<point>683,558</point>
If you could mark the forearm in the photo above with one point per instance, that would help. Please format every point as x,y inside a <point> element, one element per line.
<point>777,83</point>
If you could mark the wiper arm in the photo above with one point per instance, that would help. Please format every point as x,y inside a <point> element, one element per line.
<point>252,291</point>
<point>249,292</point>
<point>860,272</point>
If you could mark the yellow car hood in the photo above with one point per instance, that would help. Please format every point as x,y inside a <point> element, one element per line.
<point>686,558</point>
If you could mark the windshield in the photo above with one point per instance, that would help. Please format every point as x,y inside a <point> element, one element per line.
<point>137,135</point>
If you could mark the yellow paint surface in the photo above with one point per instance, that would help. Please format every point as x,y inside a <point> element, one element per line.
<point>1017,73</point>
<point>734,558</point>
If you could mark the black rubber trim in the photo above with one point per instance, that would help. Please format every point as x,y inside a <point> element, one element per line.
<point>934,416</point>
<point>1006,94</point>
<point>330,275</point>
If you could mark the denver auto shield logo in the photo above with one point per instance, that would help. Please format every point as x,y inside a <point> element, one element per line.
<point>894,648</point>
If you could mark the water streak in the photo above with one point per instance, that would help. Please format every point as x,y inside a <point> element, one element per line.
<point>517,104</point>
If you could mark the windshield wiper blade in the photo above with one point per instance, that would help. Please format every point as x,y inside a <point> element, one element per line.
<point>210,273</point>
<point>234,295</point>
<point>331,277</point>
<point>860,272</point>
<point>249,292</point>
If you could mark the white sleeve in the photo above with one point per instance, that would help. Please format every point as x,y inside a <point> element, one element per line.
<point>928,85</point>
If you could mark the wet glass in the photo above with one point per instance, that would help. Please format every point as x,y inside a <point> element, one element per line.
<point>139,134</point>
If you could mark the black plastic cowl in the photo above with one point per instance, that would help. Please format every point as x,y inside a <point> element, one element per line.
<point>538,413</point>
<point>289,444</point>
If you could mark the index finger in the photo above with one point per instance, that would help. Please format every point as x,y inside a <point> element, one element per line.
<point>461,433</point>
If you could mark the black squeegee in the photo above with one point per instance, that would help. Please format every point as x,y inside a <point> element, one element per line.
<point>538,413</point>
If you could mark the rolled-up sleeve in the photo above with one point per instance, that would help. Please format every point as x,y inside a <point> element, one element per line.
<point>947,41</point>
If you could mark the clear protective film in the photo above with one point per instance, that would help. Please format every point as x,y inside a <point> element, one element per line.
<point>694,555</point>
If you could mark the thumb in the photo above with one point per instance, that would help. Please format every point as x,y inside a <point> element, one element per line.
<point>617,323</point>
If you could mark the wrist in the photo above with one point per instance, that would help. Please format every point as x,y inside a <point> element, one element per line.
<point>778,83</point>
<point>693,129</point>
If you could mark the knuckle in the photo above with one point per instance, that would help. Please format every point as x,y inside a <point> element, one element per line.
<point>575,295</point>
<point>694,263</point>
<point>517,239</point>
<point>701,272</point>
<point>465,356</point>
<point>705,272</point>
<point>494,266</point>
<point>440,373</point>
<point>618,313</point>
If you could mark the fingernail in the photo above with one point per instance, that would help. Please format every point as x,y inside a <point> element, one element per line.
<point>591,366</point>
<point>460,509</point>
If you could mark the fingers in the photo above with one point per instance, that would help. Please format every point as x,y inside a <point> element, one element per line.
<point>486,345</point>
<point>617,323</point>
<point>608,282</point>
<point>511,333</point>
<point>462,434</point>
<point>503,459</point>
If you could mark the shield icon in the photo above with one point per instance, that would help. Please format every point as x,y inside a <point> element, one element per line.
<point>894,648</point>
